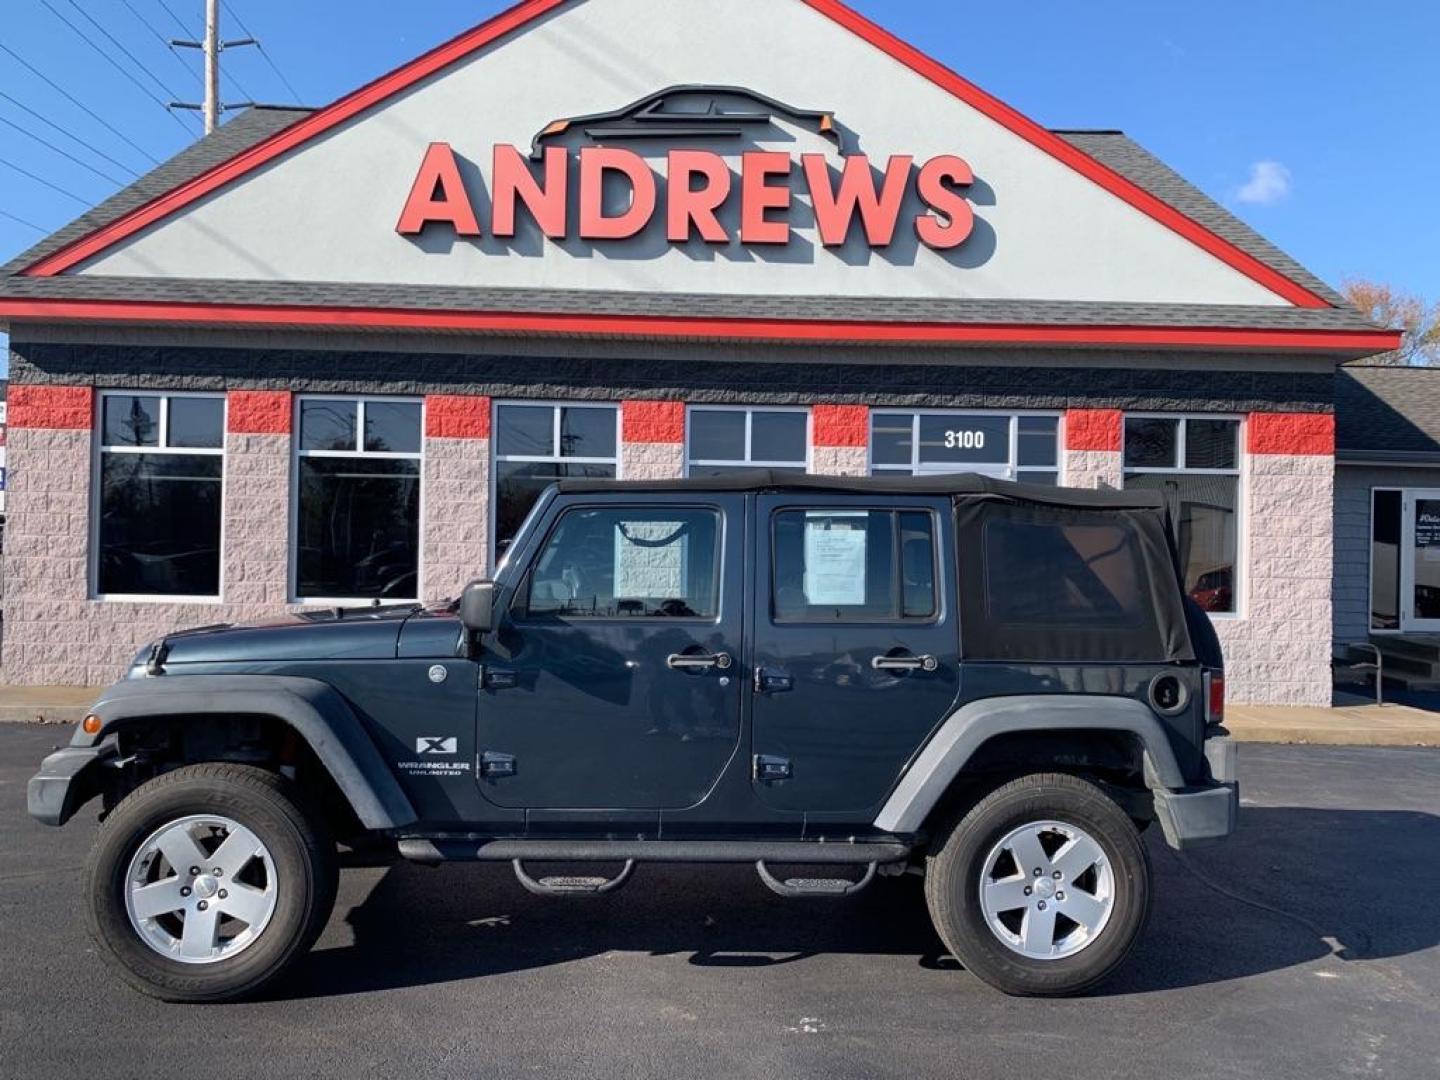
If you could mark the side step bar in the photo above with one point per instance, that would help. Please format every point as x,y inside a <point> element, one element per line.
<point>791,888</point>
<point>804,852</point>
<point>571,886</point>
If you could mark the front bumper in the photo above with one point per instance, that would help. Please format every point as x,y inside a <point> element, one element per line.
<point>1195,816</point>
<point>67,780</point>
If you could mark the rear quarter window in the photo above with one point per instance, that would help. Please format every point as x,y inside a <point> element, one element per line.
<point>1063,574</point>
<point>1049,584</point>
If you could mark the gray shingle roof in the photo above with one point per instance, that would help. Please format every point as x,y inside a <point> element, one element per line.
<point>1135,163</point>
<point>248,128</point>
<point>1387,413</point>
<point>255,125</point>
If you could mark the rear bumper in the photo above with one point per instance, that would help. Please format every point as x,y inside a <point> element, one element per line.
<point>1195,816</point>
<point>67,780</point>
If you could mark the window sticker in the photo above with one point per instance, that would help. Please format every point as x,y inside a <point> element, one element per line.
<point>835,558</point>
<point>650,559</point>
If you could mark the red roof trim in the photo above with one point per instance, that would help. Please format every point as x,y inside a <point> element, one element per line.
<point>661,326</point>
<point>1077,159</point>
<point>528,11</point>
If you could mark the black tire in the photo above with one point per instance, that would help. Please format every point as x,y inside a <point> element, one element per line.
<point>957,862</point>
<point>298,842</point>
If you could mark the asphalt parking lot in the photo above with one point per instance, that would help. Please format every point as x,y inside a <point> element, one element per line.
<point>1306,947</point>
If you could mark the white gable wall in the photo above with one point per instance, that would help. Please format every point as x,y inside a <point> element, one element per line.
<point>327,212</point>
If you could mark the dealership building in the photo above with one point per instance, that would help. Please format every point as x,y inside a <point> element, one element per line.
<point>330,357</point>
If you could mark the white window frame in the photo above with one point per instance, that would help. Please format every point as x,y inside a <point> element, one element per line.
<point>293,569</point>
<point>1242,488</point>
<point>544,459</point>
<point>99,449</point>
<point>1370,564</point>
<point>1012,469</point>
<point>750,461</point>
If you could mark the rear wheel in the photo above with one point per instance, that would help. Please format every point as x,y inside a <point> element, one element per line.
<point>207,882</point>
<point>1042,887</point>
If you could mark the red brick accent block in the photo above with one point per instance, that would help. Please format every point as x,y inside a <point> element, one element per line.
<point>67,408</point>
<point>259,412</point>
<point>1094,429</point>
<point>840,425</point>
<point>457,416</point>
<point>1291,433</point>
<point>653,421</point>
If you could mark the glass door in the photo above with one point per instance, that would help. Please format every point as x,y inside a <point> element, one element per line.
<point>1420,564</point>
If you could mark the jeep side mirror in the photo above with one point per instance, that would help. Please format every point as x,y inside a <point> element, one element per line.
<point>477,607</point>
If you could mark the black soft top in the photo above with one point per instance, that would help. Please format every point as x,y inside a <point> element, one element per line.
<point>957,485</point>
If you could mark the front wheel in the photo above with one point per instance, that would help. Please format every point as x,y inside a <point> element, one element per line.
<point>206,882</point>
<point>1042,887</point>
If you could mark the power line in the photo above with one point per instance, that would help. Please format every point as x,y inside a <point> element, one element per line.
<point>41,180</point>
<point>144,67</point>
<point>116,65</point>
<point>184,29</point>
<point>63,153</point>
<point>22,221</point>
<point>163,39</point>
<point>80,104</point>
<point>294,94</point>
<point>73,138</point>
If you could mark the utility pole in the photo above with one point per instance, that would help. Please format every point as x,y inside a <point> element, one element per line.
<point>212,47</point>
<point>212,65</point>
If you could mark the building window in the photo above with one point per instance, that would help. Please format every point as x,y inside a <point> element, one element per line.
<point>1385,527</point>
<point>160,467</point>
<point>1194,461</point>
<point>718,440</point>
<point>1010,446</point>
<point>357,518</point>
<point>536,445</point>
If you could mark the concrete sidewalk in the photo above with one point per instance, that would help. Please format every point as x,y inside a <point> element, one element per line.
<point>1345,725</point>
<point>46,704</point>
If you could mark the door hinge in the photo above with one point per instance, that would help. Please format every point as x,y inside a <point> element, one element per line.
<point>497,678</point>
<point>770,681</point>
<point>494,766</point>
<point>769,768</point>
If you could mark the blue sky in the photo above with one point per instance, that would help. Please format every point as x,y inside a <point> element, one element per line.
<point>1310,118</point>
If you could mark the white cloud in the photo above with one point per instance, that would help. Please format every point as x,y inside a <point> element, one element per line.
<point>1269,183</point>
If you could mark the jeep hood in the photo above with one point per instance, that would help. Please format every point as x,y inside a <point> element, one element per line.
<point>336,634</point>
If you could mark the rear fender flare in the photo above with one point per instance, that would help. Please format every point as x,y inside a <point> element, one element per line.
<point>970,727</point>
<point>314,710</point>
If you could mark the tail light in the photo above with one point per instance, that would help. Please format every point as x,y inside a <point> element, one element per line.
<point>1214,697</point>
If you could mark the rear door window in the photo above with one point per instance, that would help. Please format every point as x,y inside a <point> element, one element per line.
<point>853,565</point>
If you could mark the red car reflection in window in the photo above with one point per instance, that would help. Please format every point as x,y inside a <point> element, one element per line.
<point>1213,590</point>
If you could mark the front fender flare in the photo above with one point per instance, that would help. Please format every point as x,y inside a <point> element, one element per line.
<point>972,725</point>
<point>316,712</point>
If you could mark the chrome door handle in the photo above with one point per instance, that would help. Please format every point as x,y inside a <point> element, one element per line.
<point>905,663</point>
<point>698,661</point>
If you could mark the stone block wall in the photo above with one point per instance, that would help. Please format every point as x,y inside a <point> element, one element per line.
<point>1277,650</point>
<point>840,440</point>
<point>1277,647</point>
<point>652,440</point>
<point>54,631</point>
<point>1093,440</point>
<point>454,494</point>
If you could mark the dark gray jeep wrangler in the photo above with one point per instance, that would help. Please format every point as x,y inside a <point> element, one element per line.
<point>998,687</point>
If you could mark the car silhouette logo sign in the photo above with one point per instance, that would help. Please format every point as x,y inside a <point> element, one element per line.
<point>432,745</point>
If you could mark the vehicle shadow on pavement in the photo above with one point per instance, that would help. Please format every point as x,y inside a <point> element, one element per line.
<point>1293,886</point>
